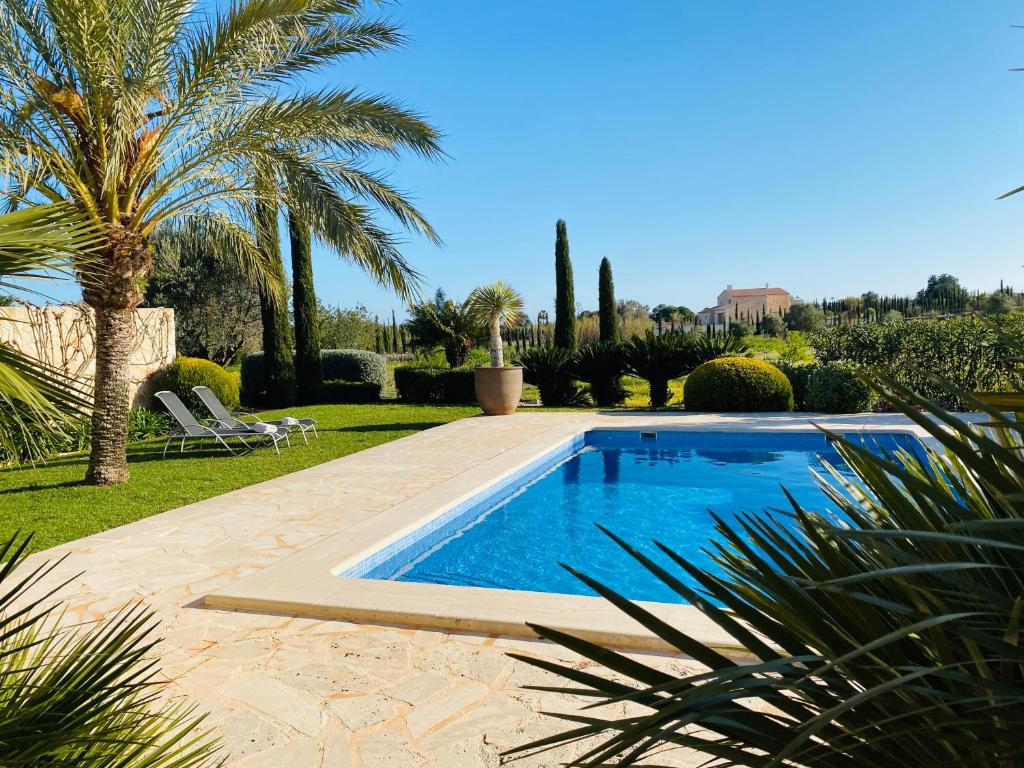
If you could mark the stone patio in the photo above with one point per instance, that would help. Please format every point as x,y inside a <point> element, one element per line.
<point>288,691</point>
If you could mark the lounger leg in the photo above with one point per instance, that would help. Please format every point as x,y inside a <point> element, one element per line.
<point>315,433</point>
<point>182,449</point>
<point>167,444</point>
<point>304,440</point>
<point>223,442</point>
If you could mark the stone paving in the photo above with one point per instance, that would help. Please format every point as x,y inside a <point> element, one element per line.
<point>287,691</point>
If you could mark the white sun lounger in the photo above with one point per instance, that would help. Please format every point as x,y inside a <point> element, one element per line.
<point>190,429</point>
<point>223,417</point>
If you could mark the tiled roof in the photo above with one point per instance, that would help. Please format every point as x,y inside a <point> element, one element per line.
<point>740,292</point>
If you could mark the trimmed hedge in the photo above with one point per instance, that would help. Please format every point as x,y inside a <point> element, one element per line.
<point>737,384</point>
<point>835,388</point>
<point>339,392</point>
<point>187,372</point>
<point>420,384</point>
<point>349,365</point>
<point>354,365</point>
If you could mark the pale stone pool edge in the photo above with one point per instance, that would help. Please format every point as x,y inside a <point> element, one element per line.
<point>305,584</point>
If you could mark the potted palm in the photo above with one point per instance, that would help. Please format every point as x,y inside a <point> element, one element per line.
<point>498,387</point>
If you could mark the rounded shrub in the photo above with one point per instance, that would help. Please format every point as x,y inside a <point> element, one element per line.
<point>740,384</point>
<point>187,372</point>
<point>835,388</point>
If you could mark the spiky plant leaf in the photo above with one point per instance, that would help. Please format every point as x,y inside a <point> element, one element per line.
<point>85,696</point>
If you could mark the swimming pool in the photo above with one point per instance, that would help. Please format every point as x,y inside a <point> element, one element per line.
<point>642,485</point>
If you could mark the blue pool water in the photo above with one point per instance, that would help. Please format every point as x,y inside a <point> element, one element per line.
<point>641,486</point>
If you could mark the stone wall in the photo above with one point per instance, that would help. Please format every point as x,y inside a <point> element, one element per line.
<point>64,336</point>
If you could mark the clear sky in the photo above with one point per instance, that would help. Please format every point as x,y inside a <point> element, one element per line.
<point>827,147</point>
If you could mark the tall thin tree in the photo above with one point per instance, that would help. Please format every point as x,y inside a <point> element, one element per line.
<point>608,318</point>
<point>308,365</point>
<point>565,302</point>
<point>278,360</point>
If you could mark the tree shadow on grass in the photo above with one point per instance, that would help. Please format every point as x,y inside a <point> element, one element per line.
<point>42,487</point>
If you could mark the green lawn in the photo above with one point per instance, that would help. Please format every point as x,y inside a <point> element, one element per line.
<point>51,500</point>
<point>639,392</point>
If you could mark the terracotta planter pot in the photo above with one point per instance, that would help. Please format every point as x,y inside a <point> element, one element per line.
<point>498,389</point>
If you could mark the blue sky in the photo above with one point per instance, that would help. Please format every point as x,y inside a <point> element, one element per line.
<point>831,148</point>
<point>828,147</point>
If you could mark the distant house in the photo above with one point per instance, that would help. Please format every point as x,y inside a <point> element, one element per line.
<point>746,304</point>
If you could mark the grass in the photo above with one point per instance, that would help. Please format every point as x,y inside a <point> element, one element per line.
<point>51,500</point>
<point>639,392</point>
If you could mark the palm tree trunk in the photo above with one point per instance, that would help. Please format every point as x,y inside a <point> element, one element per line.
<point>497,354</point>
<point>108,457</point>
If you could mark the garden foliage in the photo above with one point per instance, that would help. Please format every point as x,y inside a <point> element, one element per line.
<point>418,383</point>
<point>658,358</point>
<point>552,370</point>
<point>187,372</point>
<point>738,384</point>
<point>967,351</point>
<point>352,365</point>
<point>837,387</point>
<point>601,364</point>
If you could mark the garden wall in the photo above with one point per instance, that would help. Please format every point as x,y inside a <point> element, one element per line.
<point>64,337</point>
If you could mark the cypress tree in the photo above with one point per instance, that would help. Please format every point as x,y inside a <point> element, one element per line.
<point>608,319</point>
<point>394,333</point>
<point>308,366</point>
<point>278,361</point>
<point>378,342</point>
<point>565,302</point>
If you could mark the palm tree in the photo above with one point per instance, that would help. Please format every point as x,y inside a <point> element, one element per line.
<point>445,323</point>
<point>137,112</point>
<point>35,399</point>
<point>491,306</point>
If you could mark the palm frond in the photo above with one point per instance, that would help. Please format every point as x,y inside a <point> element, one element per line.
<point>84,697</point>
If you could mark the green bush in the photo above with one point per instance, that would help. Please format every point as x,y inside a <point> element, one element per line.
<point>551,370</point>
<point>659,358</point>
<point>353,365</point>
<point>836,388</point>
<point>798,376</point>
<point>967,351</point>
<point>430,384</point>
<point>187,372</point>
<point>339,392</point>
<point>46,441</point>
<point>37,441</point>
<point>737,384</point>
<point>601,364</point>
<point>144,424</point>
